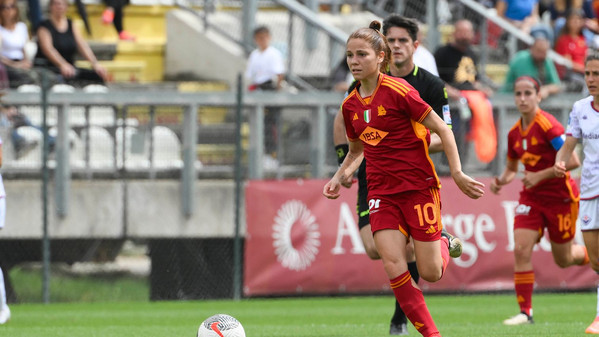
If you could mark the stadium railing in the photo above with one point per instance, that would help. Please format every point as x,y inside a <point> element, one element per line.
<point>156,134</point>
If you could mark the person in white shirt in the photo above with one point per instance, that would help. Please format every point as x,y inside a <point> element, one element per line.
<point>14,35</point>
<point>583,126</point>
<point>265,68</point>
<point>266,71</point>
<point>424,59</point>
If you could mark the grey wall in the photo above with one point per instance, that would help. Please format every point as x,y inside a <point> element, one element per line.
<point>97,210</point>
<point>192,53</point>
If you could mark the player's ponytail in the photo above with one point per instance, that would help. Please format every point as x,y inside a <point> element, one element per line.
<point>384,45</point>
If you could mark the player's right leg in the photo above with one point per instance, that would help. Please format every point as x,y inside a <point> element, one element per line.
<point>524,277</point>
<point>391,245</point>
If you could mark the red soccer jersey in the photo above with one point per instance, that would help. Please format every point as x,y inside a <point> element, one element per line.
<point>534,149</point>
<point>395,143</point>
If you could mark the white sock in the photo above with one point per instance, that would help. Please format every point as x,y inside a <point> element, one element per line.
<point>2,290</point>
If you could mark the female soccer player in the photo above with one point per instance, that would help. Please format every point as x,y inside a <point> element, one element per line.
<point>584,125</point>
<point>546,201</point>
<point>386,121</point>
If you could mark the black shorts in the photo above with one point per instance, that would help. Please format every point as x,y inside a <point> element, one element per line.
<point>362,207</point>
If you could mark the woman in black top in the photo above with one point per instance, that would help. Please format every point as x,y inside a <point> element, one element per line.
<point>58,43</point>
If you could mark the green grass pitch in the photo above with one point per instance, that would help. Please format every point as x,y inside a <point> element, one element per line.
<point>468,315</point>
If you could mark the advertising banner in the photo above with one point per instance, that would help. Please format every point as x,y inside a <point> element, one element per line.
<point>299,242</point>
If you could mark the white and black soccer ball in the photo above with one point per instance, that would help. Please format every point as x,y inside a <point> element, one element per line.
<point>221,325</point>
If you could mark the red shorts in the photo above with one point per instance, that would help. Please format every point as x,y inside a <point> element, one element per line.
<point>558,217</point>
<point>414,213</point>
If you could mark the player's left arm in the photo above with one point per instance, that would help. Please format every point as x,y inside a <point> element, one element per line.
<point>531,179</point>
<point>469,186</point>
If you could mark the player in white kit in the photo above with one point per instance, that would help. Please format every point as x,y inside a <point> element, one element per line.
<point>583,126</point>
<point>4,311</point>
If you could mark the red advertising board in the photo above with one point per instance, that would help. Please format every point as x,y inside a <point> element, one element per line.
<point>297,241</point>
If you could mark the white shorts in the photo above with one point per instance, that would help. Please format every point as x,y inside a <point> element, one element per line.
<point>588,214</point>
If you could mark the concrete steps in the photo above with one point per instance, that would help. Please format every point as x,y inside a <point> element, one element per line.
<point>141,60</point>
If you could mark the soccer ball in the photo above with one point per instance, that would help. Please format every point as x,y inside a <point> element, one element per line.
<point>221,325</point>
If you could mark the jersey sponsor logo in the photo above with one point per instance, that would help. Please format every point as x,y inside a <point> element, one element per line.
<point>372,136</point>
<point>381,111</point>
<point>373,205</point>
<point>355,116</point>
<point>367,116</point>
<point>530,159</point>
<point>522,209</point>
<point>534,141</point>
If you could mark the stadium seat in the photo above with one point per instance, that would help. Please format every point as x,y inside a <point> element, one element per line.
<point>101,147</point>
<point>167,148</point>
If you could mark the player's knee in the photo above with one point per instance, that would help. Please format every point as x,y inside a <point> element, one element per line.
<point>522,254</point>
<point>372,253</point>
<point>563,262</point>
<point>431,273</point>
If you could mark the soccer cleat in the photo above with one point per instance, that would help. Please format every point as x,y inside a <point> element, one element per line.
<point>400,329</point>
<point>455,244</point>
<point>4,314</point>
<point>593,329</point>
<point>519,319</point>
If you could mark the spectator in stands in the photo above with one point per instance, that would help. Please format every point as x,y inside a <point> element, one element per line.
<point>58,43</point>
<point>534,62</point>
<point>572,45</point>
<point>456,63</point>
<point>266,71</point>
<point>423,58</point>
<point>561,9</point>
<point>14,35</point>
<point>34,14</point>
<point>12,118</point>
<point>114,14</point>
<point>522,13</point>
